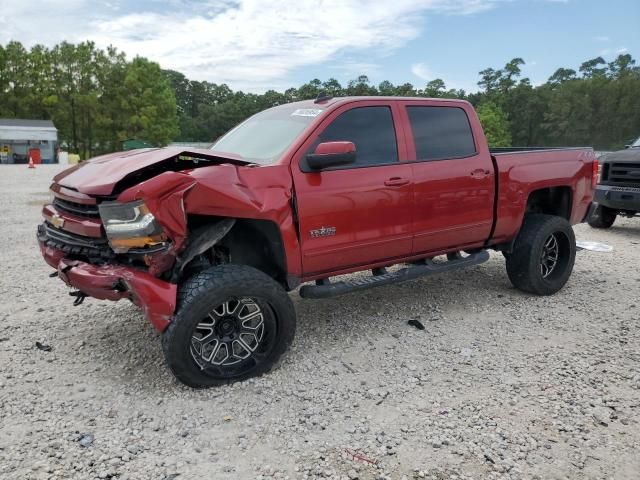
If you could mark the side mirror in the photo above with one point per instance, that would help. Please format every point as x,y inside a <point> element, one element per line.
<point>332,154</point>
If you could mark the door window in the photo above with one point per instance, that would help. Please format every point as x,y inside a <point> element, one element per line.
<point>441,132</point>
<point>372,132</point>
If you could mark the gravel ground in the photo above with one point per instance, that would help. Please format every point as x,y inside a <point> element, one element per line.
<point>499,384</point>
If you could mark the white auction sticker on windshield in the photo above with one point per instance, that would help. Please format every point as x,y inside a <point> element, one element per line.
<point>307,112</point>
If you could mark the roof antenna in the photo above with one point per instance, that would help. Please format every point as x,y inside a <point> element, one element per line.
<point>322,97</point>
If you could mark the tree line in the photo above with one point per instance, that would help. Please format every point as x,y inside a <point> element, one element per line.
<point>98,98</point>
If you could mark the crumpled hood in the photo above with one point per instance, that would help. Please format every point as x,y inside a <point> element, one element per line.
<point>626,155</point>
<point>100,175</point>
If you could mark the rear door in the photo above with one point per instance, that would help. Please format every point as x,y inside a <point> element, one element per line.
<point>453,177</point>
<point>360,213</point>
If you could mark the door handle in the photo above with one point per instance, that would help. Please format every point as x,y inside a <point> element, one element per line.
<point>480,173</point>
<point>396,182</point>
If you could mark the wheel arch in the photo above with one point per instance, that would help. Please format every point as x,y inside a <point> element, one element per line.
<point>254,242</point>
<point>557,201</point>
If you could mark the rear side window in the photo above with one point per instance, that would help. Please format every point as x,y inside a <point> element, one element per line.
<point>370,129</point>
<point>441,132</point>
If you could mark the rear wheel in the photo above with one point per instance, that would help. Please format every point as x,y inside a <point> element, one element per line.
<point>233,322</point>
<point>543,255</point>
<point>602,217</point>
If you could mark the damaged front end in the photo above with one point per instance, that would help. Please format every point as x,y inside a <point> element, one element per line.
<point>119,227</point>
<point>109,263</point>
<point>111,248</point>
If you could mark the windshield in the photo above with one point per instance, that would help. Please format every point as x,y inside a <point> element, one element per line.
<point>636,143</point>
<point>265,136</point>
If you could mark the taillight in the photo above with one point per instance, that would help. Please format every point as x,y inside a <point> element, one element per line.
<point>595,174</point>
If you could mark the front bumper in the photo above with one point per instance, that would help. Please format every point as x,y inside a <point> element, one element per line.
<point>155,297</point>
<point>618,198</point>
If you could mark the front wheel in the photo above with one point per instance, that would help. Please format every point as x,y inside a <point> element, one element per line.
<point>602,217</point>
<point>233,322</point>
<point>543,255</point>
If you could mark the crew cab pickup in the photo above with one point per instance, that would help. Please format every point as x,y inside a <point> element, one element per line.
<point>208,242</point>
<point>618,190</point>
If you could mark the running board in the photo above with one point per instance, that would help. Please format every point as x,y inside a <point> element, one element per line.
<point>324,288</point>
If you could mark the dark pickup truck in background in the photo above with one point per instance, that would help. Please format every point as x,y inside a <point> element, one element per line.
<point>618,189</point>
<point>209,242</point>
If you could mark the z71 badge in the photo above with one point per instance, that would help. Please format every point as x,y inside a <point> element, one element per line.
<point>323,232</point>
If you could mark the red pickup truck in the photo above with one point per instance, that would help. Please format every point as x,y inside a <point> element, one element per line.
<point>208,242</point>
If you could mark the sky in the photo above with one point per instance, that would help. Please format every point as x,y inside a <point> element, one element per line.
<point>257,45</point>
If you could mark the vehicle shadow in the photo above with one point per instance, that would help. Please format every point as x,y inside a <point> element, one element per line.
<point>629,230</point>
<point>131,348</point>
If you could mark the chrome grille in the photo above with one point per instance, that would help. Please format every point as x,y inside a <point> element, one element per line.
<point>79,209</point>
<point>621,173</point>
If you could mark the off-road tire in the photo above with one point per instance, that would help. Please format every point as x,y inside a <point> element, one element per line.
<point>199,295</point>
<point>524,262</point>
<point>602,217</point>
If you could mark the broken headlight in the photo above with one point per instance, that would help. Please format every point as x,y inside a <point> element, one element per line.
<point>130,225</point>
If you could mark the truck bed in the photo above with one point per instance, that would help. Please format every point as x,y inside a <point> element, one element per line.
<point>522,170</point>
<point>503,150</point>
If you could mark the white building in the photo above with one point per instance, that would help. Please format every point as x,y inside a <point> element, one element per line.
<point>21,139</point>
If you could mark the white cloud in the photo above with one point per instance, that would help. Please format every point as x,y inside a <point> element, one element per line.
<point>27,21</point>
<point>425,73</point>
<point>256,43</point>
<point>422,71</point>
<point>249,44</point>
<point>351,68</point>
<point>601,38</point>
<point>610,51</point>
<point>462,7</point>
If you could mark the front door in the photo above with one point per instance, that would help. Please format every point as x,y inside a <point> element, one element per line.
<point>360,213</point>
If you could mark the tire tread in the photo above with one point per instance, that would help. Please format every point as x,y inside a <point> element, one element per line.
<point>219,279</point>
<point>522,263</point>
<point>602,217</point>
